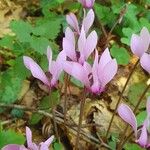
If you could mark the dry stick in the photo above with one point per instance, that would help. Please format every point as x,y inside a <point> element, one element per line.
<point>80,118</point>
<point>122,141</point>
<point>65,90</point>
<point>87,137</point>
<point>128,79</point>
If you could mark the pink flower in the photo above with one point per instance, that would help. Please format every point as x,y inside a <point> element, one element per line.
<point>128,116</point>
<point>140,43</point>
<point>86,23</point>
<point>87,3</point>
<point>38,73</point>
<point>96,77</point>
<point>85,47</point>
<point>30,145</point>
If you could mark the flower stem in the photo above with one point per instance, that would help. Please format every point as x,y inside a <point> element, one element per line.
<point>120,97</point>
<point>123,141</point>
<point>80,119</point>
<point>65,102</point>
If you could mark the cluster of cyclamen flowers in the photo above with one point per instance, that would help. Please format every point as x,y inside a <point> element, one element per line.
<point>139,46</point>
<point>78,44</point>
<point>30,145</point>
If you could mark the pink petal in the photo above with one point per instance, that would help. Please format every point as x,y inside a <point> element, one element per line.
<point>145,62</point>
<point>73,22</point>
<point>12,147</point>
<point>49,57</point>
<point>88,20</point>
<point>89,3</point>
<point>104,59</point>
<point>69,49</point>
<point>140,44</point>
<point>143,137</point>
<point>35,69</point>
<point>128,116</point>
<point>108,72</point>
<point>57,67</point>
<point>77,71</point>
<point>148,106</point>
<point>29,137</point>
<point>90,45</point>
<point>81,40</point>
<point>70,35</point>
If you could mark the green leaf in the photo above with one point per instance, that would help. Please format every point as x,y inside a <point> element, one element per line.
<point>11,137</point>
<point>76,82</point>
<point>58,146</point>
<point>132,147</point>
<point>121,54</point>
<point>22,30</point>
<point>35,118</point>
<point>7,41</point>
<point>135,91</point>
<point>49,101</point>
<point>39,44</point>
<point>141,117</point>
<point>47,28</point>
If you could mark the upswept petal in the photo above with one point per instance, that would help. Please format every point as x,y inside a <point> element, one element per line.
<point>145,35</point>
<point>108,73</point>
<point>148,106</point>
<point>29,137</point>
<point>49,57</point>
<point>82,40</point>
<point>143,139</point>
<point>87,67</point>
<point>90,44</point>
<point>77,71</point>
<point>70,36</point>
<point>88,20</point>
<point>73,22</point>
<point>145,62</point>
<point>69,49</point>
<point>45,145</point>
<point>35,69</point>
<point>89,3</point>
<point>96,85</point>
<point>57,67</point>
<point>140,44</point>
<point>137,45</point>
<point>128,116</point>
<point>104,59</point>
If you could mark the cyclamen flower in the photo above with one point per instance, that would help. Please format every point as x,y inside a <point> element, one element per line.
<point>55,68</point>
<point>86,45</point>
<point>140,43</point>
<point>87,3</point>
<point>86,23</point>
<point>30,145</point>
<point>141,135</point>
<point>96,77</point>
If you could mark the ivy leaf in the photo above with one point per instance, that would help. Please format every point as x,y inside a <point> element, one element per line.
<point>35,118</point>
<point>121,54</point>
<point>135,91</point>
<point>58,146</point>
<point>22,30</point>
<point>141,117</point>
<point>47,28</point>
<point>132,147</point>
<point>11,137</point>
<point>7,41</point>
<point>39,44</point>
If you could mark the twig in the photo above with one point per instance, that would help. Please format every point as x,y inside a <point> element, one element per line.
<point>87,137</point>
<point>80,118</point>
